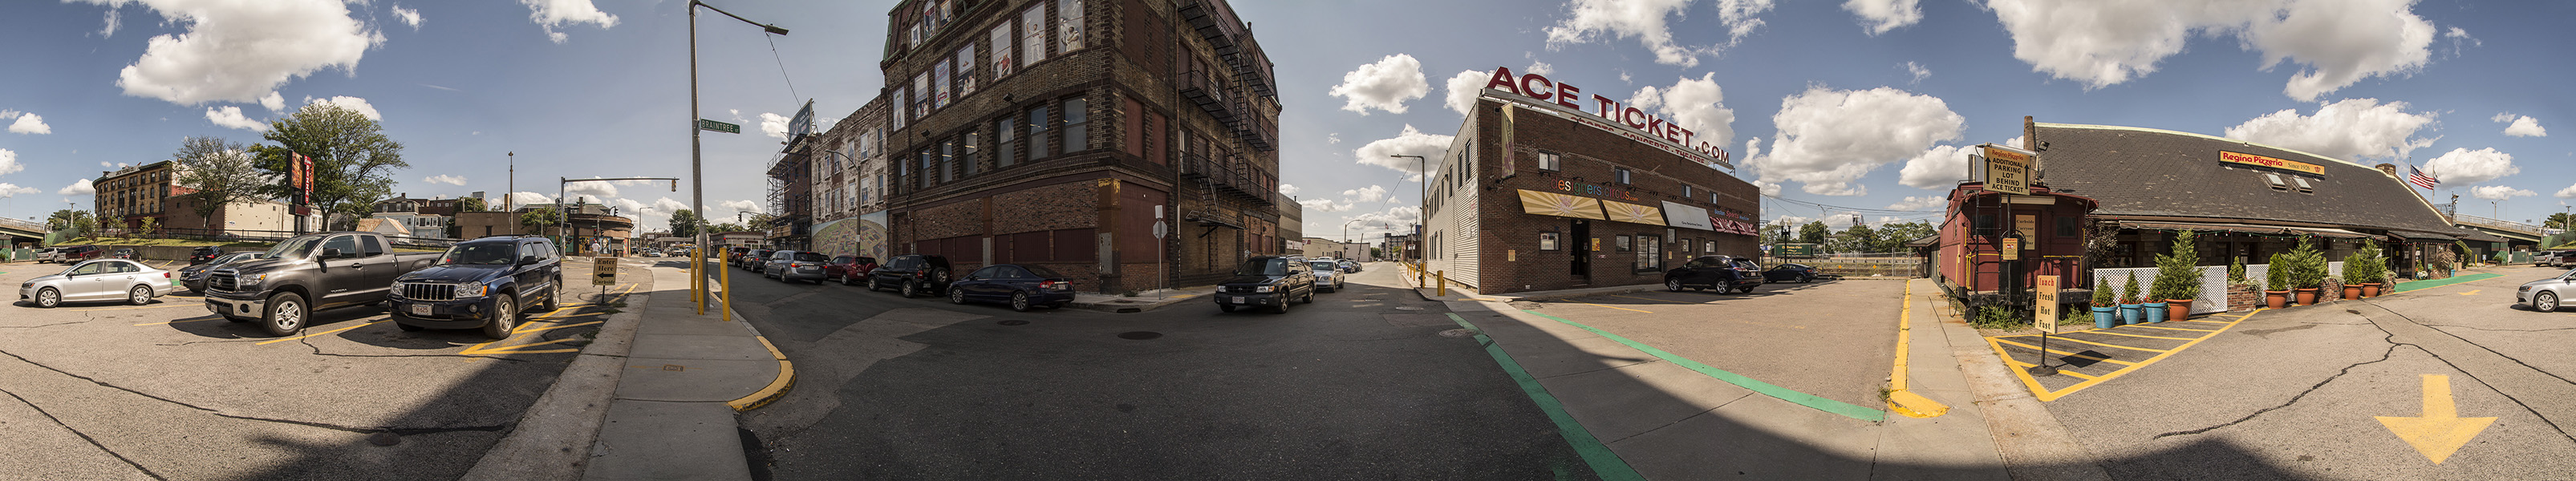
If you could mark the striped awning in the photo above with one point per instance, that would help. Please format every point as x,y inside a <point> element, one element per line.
<point>1560,205</point>
<point>1633,213</point>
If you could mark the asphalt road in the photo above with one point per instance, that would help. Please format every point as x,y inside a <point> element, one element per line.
<point>1358,385</point>
<point>170,391</point>
<point>2307,392</point>
<point>1832,338</point>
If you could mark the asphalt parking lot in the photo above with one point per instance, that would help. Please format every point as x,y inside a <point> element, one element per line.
<point>168,390</point>
<point>1834,338</point>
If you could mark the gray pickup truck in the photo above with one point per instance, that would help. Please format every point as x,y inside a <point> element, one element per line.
<point>309,273</point>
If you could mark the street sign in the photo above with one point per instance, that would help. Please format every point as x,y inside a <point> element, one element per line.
<point>2008,169</point>
<point>2011,249</point>
<point>603,271</point>
<point>704,124</point>
<point>2044,315</point>
<point>1161,229</point>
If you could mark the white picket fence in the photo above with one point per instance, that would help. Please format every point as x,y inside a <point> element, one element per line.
<point>2213,282</point>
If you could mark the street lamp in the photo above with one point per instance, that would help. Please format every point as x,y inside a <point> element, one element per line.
<point>697,171</point>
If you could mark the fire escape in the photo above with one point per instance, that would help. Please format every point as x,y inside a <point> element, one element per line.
<point>1216,90</point>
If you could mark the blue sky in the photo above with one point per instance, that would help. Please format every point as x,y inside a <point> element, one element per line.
<point>1838,99</point>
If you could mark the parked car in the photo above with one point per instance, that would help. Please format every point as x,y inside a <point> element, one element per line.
<point>127,254</point>
<point>194,277</point>
<point>77,253</point>
<point>754,259</point>
<point>2547,295</point>
<point>1273,281</point>
<point>2563,259</point>
<point>1350,265</point>
<point>1023,286</point>
<point>1722,273</point>
<point>1328,275</point>
<point>734,254</point>
<point>97,280</point>
<point>309,273</point>
<point>1790,272</point>
<point>849,269</point>
<point>204,254</point>
<point>47,254</point>
<point>792,266</point>
<point>479,284</point>
<point>912,274</point>
<point>652,253</point>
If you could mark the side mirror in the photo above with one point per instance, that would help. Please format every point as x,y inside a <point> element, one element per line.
<point>333,253</point>
<point>525,260</point>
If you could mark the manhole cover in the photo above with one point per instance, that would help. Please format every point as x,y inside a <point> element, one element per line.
<point>384,439</point>
<point>1139,335</point>
<point>1458,333</point>
<point>1012,322</point>
<point>1408,308</point>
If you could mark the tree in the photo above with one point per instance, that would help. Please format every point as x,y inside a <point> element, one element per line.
<point>1892,237</point>
<point>222,173</point>
<point>685,223</point>
<point>1814,232</point>
<point>471,204</point>
<point>538,219</point>
<point>725,227</point>
<point>68,219</point>
<point>1858,238</point>
<point>353,161</point>
<point>2557,221</point>
<point>151,225</point>
<point>2178,273</point>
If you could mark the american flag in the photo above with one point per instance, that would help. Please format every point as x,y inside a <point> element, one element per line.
<point>2418,178</point>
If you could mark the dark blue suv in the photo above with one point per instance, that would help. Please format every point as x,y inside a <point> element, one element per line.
<point>483,283</point>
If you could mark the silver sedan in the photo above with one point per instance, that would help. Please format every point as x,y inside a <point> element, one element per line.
<point>2546,295</point>
<point>97,280</point>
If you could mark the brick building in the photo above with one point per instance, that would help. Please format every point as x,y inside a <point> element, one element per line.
<point>1536,196</point>
<point>846,171</point>
<point>1058,132</point>
<point>126,196</point>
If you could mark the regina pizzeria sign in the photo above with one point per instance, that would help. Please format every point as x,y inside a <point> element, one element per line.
<point>1566,101</point>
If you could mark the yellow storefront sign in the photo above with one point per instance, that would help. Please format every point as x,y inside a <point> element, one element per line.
<point>2251,159</point>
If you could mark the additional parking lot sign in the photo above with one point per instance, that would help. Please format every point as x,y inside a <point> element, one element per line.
<point>2044,315</point>
<point>603,271</point>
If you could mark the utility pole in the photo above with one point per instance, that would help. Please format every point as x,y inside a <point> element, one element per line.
<point>697,170</point>
<point>514,184</point>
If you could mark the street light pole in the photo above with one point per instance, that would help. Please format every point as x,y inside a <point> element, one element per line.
<point>697,170</point>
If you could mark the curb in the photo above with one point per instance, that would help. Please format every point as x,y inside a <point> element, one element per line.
<point>1125,308</point>
<point>777,388</point>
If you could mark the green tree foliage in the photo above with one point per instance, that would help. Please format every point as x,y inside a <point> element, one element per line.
<point>2365,265</point>
<point>540,218</point>
<point>74,219</point>
<point>685,223</point>
<point>1814,232</point>
<point>472,204</point>
<point>2178,272</point>
<point>2236,272</point>
<point>2556,221</point>
<point>1858,238</point>
<point>353,160</point>
<point>2102,295</point>
<point>2276,276</point>
<point>222,173</point>
<point>1892,237</point>
<point>2129,291</point>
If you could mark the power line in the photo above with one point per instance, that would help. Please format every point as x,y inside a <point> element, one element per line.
<point>782,69</point>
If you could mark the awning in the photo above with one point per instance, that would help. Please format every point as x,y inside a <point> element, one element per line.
<point>1561,205</point>
<point>1684,216</point>
<point>2244,228</point>
<point>1633,213</point>
<point>2421,236</point>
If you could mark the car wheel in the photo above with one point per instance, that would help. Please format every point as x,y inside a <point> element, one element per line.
<point>1225,308</point>
<point>48,298</point>
<point>1020,301</point>
<point>911,289</point>
<point>2545,301</point>
<point>1674,285</point>
<point>409,328</point>
<point>1807,279</point>
<point>957,296</point>
<point>140,295</point>
<point>505,317</point>
<point>285,316</point>
<point>1282,308</point>
<point>547,302</point>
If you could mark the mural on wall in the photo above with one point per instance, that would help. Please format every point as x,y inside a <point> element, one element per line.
<point>864,235</point>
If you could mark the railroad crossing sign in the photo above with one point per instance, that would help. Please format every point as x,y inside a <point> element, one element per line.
<point>704,124</point>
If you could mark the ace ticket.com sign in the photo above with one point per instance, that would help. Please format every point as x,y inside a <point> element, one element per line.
<point>1566,101</point>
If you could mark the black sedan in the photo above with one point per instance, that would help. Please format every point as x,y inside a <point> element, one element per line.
<point>1791,272</point>
<point>1023,286</point>
<point>1722,273</point>
<point>195,276</point>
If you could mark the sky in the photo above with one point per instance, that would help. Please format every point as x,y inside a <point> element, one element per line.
<point>1839,109</point>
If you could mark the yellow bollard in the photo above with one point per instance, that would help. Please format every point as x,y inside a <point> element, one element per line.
<point>1444,283</point>
<point>728,295</point>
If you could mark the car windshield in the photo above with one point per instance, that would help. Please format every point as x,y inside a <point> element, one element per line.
<point>809,257</point>
<point>490,254</point>
<point>1323,265</point>
<point>237,258</point>
<point>1275,266</point>
<point>296,247</point>
<point>1041,272</point>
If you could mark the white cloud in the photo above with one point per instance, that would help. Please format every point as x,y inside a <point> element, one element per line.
<point>594,189</point>
<point>1830,138</point>
<point>1538,67</point>
<point>12,190</point>
<point>773,125</point>
<point>1384,85</point>
<point>1332,138</point>
<point>1920,203</point>
<point>1404,216</point>
<point>231,117</point>
<point>28,123</point>
<point>1287,189</point>
<point>1324,205</point>
<point>2521,126</point>
<point>1365,194</point>
<point>9,165</point>
<point>525,198</point>
<point>1592,20</point>
<point>1698,105</point>
<point>1941,167</point>
<point>743,206</point>
<point>549,14</point>
<point>2102,43</point>
<point>352,103</point>
<point>1917,71</point>
<point>2566,193</point>
<point>238,51</point>
<point>1625,78</point>
<point>1880,16</point>
<point>80,187</point>
<point>113,21</point>
<point>1463,88</point>
<point>2464,166</point>
<point>1410,142</point>
<point>445,179</point>
<point>2498,192</point>
<point>274,102</point>
<point>408,16</point>
<point>2348,129</point>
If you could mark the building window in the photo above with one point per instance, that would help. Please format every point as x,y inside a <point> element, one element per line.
<point>1686,190</point>
<point>1069,15</point>
<point>1709,247</point>
<point>1712,197</point>
<point>1005,152</point>
<point>1623,176</point>
<point>1037,132</point>
<point>2070,227</point>
<point>1547,241</point>
<point>966,69</point>
<point>921,95</point>
<point>929,166</point>
<point>939,76</point>
<point>1033,29</point>
<point>1623,243</point>
<point>948,161</point>
<point>1550,161</point>
<point>1002,65</point>
<point>1649,255</point>
<point>966,153</point>
<point>1077,126</point>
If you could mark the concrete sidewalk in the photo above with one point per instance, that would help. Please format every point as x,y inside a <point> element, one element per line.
<point>1143,301</point>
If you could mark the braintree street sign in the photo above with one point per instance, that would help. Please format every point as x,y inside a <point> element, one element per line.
<point>1564,100</point>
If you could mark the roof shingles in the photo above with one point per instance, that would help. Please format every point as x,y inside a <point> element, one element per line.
<point>2144,172</point>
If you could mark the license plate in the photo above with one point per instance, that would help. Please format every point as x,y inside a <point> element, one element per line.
<point>420,309</point>
<point>1238,299</point>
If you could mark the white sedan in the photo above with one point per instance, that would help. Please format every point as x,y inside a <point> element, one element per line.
<point>97,280</point>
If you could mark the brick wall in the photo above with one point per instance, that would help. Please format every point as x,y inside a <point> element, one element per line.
<point>1511,260</point>
<point>2243,297</point>
<point>2333,291</point>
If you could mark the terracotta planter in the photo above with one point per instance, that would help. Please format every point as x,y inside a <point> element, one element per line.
<point>2352,291</point>
<point>2308,296</point>
<point>2370,290</point>
<point>2178,309</point>
<point>2276,299</point>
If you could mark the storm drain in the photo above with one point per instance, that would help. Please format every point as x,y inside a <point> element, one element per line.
<point>1139,335</point>
<point>1013,322</point>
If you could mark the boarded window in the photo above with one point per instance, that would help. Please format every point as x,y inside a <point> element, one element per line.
<point>1144,41</point>
<point>1074,245</point>
<point>1031,247</point>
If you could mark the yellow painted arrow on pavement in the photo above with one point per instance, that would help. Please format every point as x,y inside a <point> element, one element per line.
<point>2440,431</point>
<point>2472,293</point>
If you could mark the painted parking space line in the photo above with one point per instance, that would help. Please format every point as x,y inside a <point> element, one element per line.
<point>2107,332</point>
<point>1604,462</point>
<point>1654,299</point>
<point>2067,354</point>
<point>2173,328</point>
<point>2067,337</point>
<point>324,333</point>
<point>1811,401</point>
<point>2043,389</point>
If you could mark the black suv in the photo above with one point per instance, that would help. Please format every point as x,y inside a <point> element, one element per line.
<point>1722,273</point>
<point>482,283</point>
<point>912,274</point>
<point>1272,281</point>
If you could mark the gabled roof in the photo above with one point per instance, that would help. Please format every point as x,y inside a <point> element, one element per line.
<point>2149,172</point>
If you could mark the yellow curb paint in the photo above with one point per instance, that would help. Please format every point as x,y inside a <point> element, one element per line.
<point>777,388</point>
<point>323,333</point>
<point>2044,394</point>
<point>1899,399</point>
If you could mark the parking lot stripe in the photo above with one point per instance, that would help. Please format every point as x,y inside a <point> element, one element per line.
<point>1616,307</point>
<point>1604,462</point>
<point>2106,331</point>
<point>2054,351</point>
<point>2077,375</point>
<point>2044,394</point>
<point>1785,394</point>
<point>2105,344</point>
<point>2177,329</point>
<point>324,333</point>
<point>523,329</point>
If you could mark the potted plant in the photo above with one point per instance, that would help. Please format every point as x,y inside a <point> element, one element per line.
<point>2350,290</point>
<point>2177,279</point>
<point>2105,310</point>
<point>2307,271</point>
<point>2276,280</point>
<point>2362,270</point>
<point>2129,305</point>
